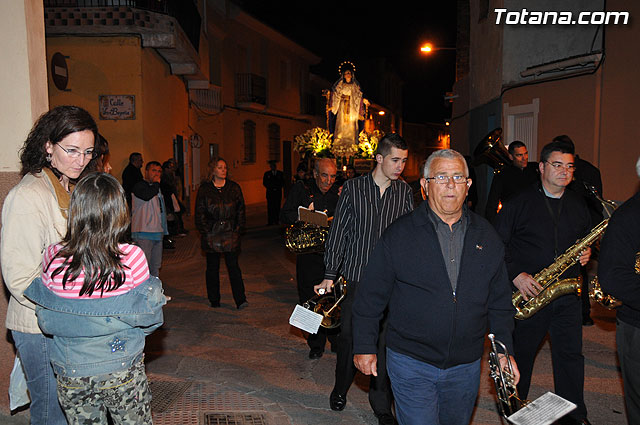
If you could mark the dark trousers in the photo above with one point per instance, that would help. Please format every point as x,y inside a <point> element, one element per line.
<point>273,206</point>
<point>628,342</point>
<point>310,272</point>
<point>213,277</point>
<point>586,301</point>
<point>562,319</point>
<point>379,387</point>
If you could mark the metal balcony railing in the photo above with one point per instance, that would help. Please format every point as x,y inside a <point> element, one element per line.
<point>251,88</point>
<point>184,11</point>
<point>209,100</point>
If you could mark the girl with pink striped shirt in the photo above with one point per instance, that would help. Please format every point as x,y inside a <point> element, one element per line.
<point>96,298</point>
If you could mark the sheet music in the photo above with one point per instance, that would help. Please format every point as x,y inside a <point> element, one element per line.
<point>319,218</point>
<point>543,411</point>
<point>305,319</point>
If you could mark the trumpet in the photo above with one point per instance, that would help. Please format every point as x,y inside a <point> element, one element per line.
<point>503,379</point>
<point>328,305</point>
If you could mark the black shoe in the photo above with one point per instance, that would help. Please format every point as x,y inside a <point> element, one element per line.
<point>386,419</point>
<point>337,401</point>
<point>315,354</point>
<point>587,321</point>
<point>215,305</point>
<point>243,305</point>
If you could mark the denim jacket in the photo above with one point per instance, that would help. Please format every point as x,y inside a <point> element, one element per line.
<point>98,336</point>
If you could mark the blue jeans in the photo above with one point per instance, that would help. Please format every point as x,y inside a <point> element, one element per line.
<point>153,251</point>
<point>427,395</point>
<point>34,350</point>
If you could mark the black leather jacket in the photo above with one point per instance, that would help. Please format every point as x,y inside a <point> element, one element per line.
<point>220,216</point>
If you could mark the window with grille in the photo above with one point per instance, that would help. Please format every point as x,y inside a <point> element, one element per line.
<point>274,142</point>
<point>249,142</point>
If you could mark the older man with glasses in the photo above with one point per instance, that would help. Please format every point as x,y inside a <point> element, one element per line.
<point>537,226</point>
<point>440,272</point>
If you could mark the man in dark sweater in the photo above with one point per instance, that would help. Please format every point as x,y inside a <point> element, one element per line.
<point>132,174</point>
<point>586,174</point>
<point>537,226</point>
<point>273,181</point>
<point>619,275</point>
<point>440,270</point>
<point>318,194</point>
<point>512,179</point>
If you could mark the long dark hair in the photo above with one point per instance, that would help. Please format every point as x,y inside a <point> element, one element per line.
<point>98,221</point>
<point>53,126</point>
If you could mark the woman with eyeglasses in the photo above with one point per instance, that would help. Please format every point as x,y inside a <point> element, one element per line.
<point>58,150</point>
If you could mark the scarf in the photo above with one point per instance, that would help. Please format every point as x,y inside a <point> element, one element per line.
<point>61,193</point>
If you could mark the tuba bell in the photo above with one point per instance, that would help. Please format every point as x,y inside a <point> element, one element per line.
<point>491,151</point>
<point>304,238</point>
<point>327,305</point>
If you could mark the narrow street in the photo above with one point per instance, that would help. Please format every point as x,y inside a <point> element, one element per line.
<point>225,366</point>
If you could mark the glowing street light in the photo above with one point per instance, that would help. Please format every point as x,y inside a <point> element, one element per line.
<point>428,48</point>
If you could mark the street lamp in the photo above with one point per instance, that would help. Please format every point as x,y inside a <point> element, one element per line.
<point>428,48</point>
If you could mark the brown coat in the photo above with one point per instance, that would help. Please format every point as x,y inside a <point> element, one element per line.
<point>220,216</point>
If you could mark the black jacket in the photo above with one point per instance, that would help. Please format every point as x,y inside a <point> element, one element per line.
<point>425,321</point>
<point>220,216</point>
<point>617,271</point>
<point>527,229</point>
<point>508,183</point>
<point>302,194</point>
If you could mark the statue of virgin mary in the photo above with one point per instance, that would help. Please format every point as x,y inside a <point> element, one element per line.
<point>346,108</point>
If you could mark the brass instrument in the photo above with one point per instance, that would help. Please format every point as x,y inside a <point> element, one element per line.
<point>506,391</point>
<point>491,151</point>
<point>327,305</point>
<point>598,295</point>
<point>303,238</point>
<point>548,278</point>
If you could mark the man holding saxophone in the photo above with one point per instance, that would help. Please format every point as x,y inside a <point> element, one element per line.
<point>440,270</point>
<point>537,227</point>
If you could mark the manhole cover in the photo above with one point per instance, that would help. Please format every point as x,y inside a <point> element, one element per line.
<point>235,419</point>
<point>165,393</point>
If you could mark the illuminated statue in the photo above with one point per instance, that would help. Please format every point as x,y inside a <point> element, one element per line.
<point>346,108</point>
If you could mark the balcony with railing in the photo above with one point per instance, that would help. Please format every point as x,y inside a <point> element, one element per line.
<point>170,26</point>
<point>207,100</point>
<point>251,91</point>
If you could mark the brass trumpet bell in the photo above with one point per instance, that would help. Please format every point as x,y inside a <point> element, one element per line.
<point>491,151</point>
<point>327,305</point>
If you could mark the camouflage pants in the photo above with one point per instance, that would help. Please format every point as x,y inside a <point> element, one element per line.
<point>124,395</point>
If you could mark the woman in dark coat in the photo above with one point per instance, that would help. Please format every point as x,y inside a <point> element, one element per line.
<point>220,218</point>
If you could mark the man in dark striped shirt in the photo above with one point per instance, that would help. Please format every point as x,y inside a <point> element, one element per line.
<point>367,205</point>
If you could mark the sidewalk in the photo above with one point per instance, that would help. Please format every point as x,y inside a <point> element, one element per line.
<point>224,366</point>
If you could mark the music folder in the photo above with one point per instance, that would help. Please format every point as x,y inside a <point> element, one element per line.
<point>319,218</point>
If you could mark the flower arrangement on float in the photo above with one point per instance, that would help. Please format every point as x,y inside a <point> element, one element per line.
<point>316,142</point>
<point>368,143</point>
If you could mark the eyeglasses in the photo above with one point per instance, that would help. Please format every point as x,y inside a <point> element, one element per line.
<point>75,153</point>
<point>559,165</point>
<point>441,179</point>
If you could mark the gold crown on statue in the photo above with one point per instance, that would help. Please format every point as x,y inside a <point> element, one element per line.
<point>348,66</point>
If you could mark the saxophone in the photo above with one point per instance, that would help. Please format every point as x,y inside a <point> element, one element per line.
<point>548,278</point>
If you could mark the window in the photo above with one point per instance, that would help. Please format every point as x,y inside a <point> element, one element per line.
<point>249,142</point>
<point>274,142</point>
<point>521,123</point>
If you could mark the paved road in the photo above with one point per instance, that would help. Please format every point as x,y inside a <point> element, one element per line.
<point>251,366</point>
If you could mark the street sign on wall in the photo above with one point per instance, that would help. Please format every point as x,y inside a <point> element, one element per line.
<point>117,107</point>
